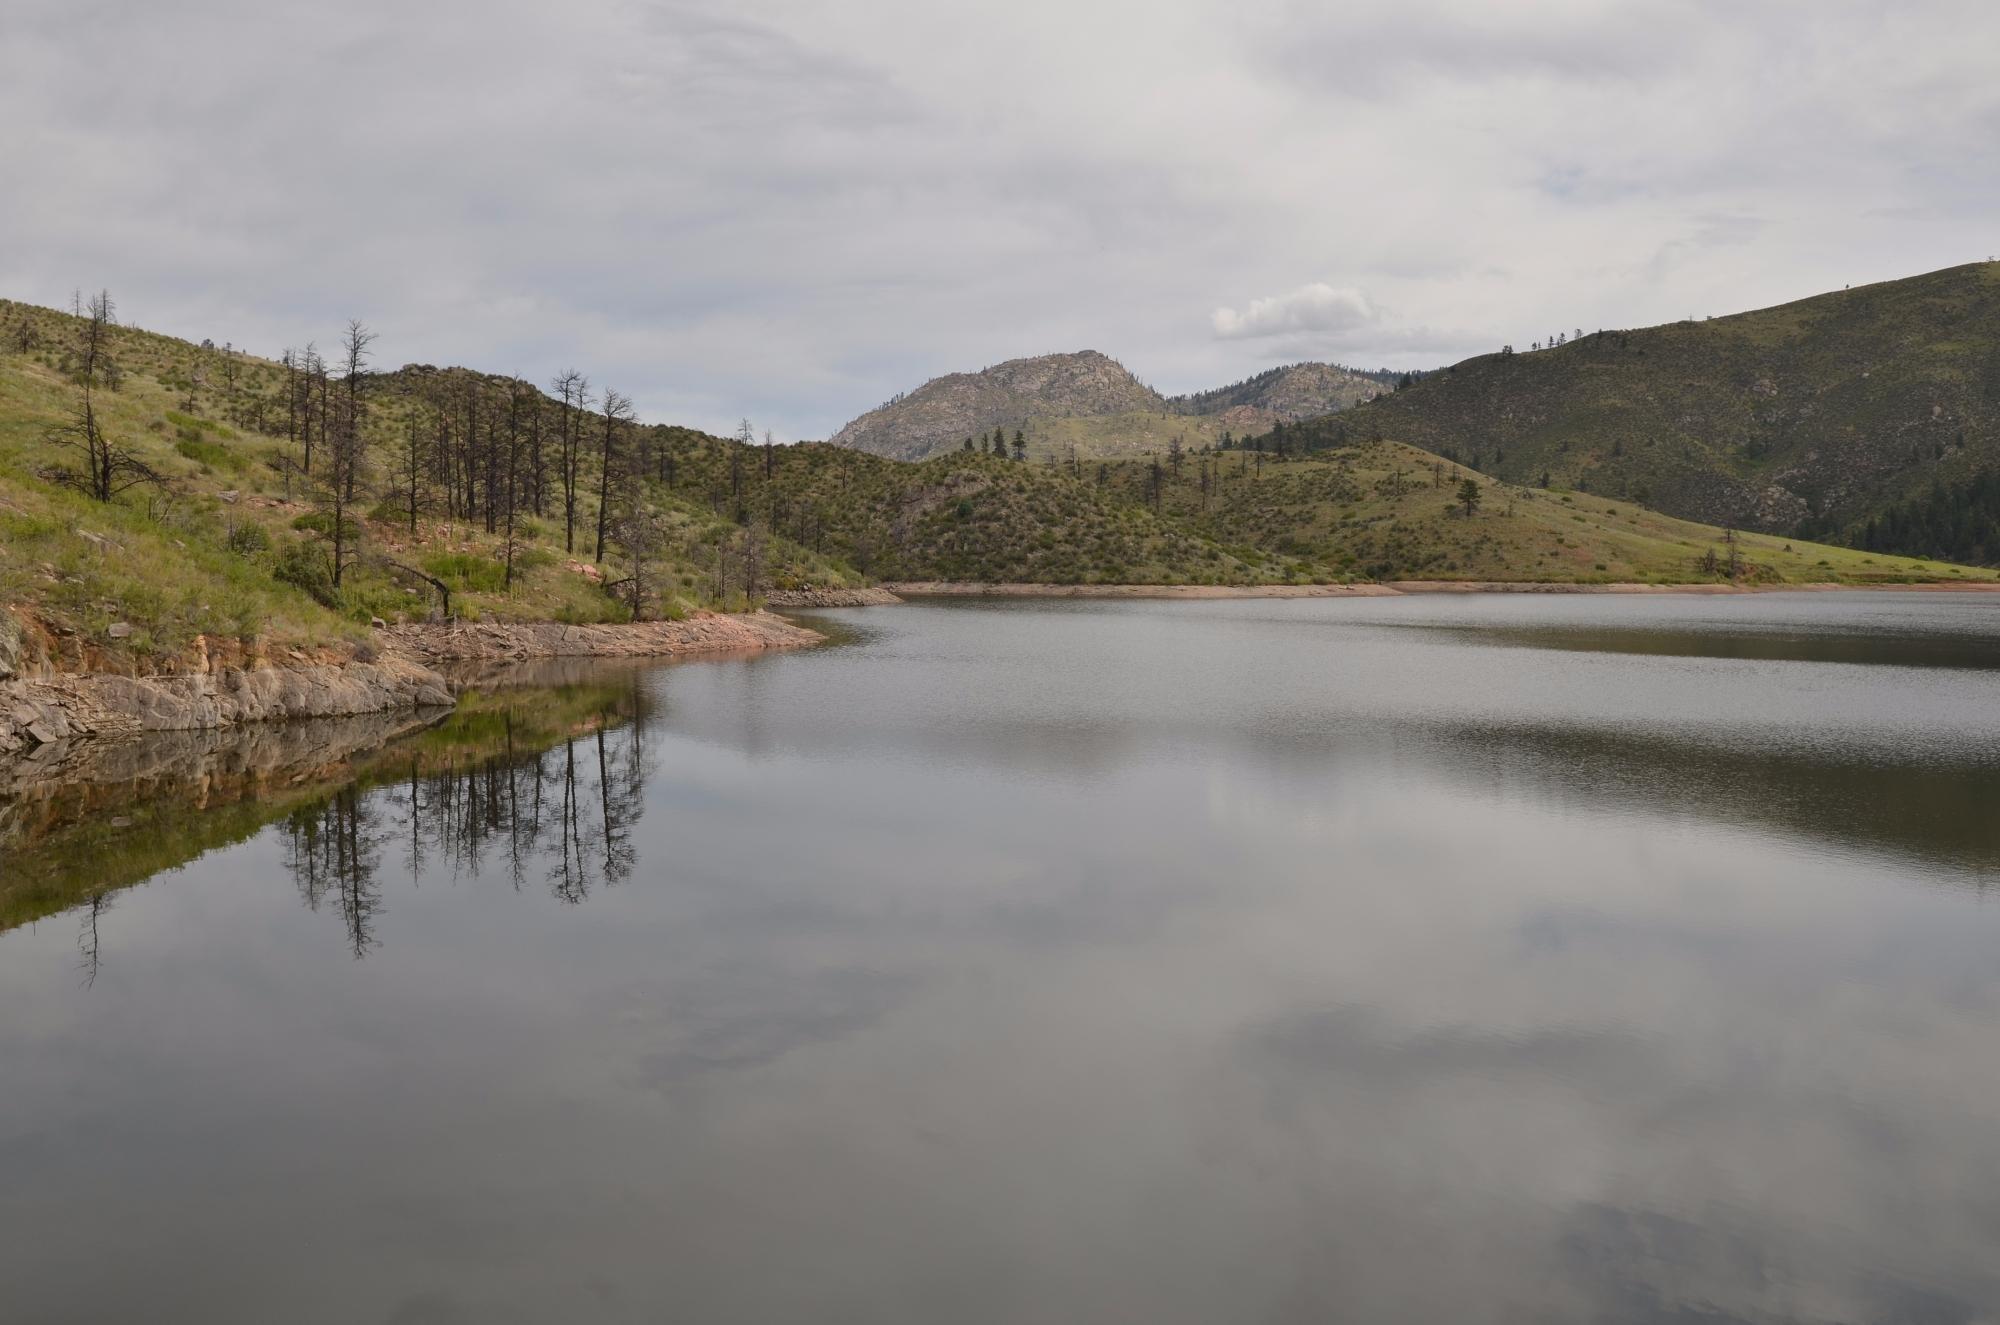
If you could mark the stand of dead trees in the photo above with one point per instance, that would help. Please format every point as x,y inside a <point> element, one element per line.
<point>103,468</point>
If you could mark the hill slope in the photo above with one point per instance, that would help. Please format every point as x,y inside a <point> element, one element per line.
<point>941,413</point>
<point>234,540</point>
<point>957,517</point>
<point>231,538</point>
<point>1293,392</point>
<point>1810,417</point>
<point>1088,403</point>
<point>1387,511</point>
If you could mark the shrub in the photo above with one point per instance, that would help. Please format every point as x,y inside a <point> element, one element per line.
<point>205,452</point>
<point>247,540</point>
<point>306,566</point>
<point>314,522</point>
<point>467,571</point>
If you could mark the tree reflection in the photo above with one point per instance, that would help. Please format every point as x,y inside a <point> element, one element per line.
<point>87,936</point>
<point>501,793</point>
<point>334,848</point>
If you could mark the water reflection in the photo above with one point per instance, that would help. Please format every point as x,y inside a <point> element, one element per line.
<point>497,790</point>
<point>545,764</point>
<point>1179,963</point>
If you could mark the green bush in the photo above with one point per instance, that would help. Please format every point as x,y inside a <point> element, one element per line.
<point>465,571</point>
<point>247,540</point>
<point>306,566</point>
<point>190,424</point>
<point>207,453</point>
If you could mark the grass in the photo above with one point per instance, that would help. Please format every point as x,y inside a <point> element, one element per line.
<point>202,554</point>
<point>958,516</point>
<point>1386,511</point>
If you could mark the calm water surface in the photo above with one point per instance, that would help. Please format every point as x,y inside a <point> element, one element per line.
<point>1469,960</point>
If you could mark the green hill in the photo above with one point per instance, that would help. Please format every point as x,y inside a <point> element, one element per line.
<point>1810,418</point>
<point>960,516</point>
<point>468,483</point>
<point>232,537</point>
<point>1387,511</point>
<point>490,490</point>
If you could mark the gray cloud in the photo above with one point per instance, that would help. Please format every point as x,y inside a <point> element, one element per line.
<point>791,210</point>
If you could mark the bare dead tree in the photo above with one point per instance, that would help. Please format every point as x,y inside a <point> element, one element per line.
<point>616,412</point>
<point>443,589</point>
<point>641,536</point>
<point>104,468</point>
<point>520,400</point>
<point>573,390</point>
<point>754,546</point>
<point>346,448</point>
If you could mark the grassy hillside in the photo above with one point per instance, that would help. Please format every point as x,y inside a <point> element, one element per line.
<point>960,516</point>
<point>232,541</point>
<point>1387,511</point>
<point>1293,391</point>
<point>1812,417</point>
<point>1116,436</point>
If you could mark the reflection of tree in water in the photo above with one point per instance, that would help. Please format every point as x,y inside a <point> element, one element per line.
<point>335,848</point>
<point>564,810</point>
<point>86,935</point>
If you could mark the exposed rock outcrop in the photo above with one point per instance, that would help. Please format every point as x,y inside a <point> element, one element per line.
<point>10,646</point>
<point>944,411</point>
<point>51,710</point>
<point>67,707</point>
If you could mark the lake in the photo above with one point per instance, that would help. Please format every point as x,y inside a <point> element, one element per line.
<point>1481,959</point>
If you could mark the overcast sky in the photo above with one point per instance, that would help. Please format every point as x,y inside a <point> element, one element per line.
<point>792,209</point>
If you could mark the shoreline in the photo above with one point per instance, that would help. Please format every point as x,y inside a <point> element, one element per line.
<point>42,712</point>
<point>785,600</point>
<point>968,589</point>
<point>1403,588</point>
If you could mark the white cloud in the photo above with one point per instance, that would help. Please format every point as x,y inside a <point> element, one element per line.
<point>1317,307</point>
<point>791,209</point>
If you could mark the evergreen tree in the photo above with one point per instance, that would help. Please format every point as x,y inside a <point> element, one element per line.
<point>1469,497</point>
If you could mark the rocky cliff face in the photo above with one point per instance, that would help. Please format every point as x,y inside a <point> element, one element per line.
<point>944,411</point>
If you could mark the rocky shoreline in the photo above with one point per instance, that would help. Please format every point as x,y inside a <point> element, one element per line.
<point>41,712</point>
<point>790,598</point>
<point>496,642</point>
